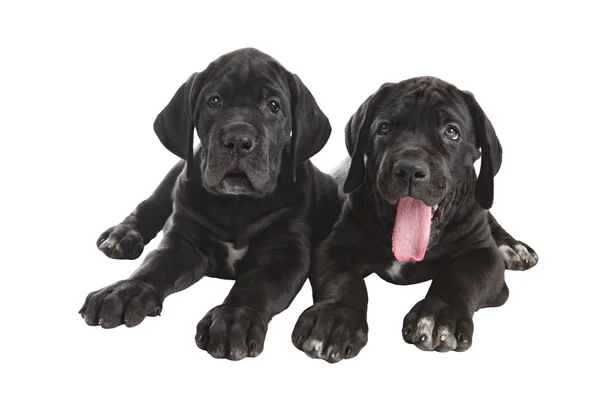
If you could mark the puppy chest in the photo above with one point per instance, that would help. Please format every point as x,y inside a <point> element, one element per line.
<point>408,273</point>
<point>396,271</point>
<point>233,255</point>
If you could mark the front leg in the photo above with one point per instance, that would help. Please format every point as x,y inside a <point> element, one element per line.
<point>335,327</point>
<point>175,265</point>
<point>237,328</point>
<point>443,321</point>
<point>518,256</point>
<point>127,240</point>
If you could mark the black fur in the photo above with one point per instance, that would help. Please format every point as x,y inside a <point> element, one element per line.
<point>406,123</point>
<point>278,209</point>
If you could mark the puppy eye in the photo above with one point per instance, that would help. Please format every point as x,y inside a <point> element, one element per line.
<point>384,128</point>
<point>214,102</point>
<point>273,106</point>
<point>452,132</point>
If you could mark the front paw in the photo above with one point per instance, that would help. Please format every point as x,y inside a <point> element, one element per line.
<point>125,302</point>
<point>518,256</point>
<point>330,332</point>
<point>232,332</point>
<point>433,324</point>
<point>121,242</point>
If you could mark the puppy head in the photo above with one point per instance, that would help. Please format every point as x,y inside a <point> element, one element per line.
<point>418,140</point>
<point>252,117</point>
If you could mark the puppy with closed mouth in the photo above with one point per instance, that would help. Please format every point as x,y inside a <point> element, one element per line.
<point>243,206</point>
<point>415,211</point>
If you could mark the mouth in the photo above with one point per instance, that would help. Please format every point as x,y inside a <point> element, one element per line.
<point>235,182</point>
<point>236,172</point>
<point>412,227</point>
<point>436,213</point>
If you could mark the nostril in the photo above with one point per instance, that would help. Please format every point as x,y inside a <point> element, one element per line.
<point>247,145</point>
<point>420,175</point>
<point>401,173</point>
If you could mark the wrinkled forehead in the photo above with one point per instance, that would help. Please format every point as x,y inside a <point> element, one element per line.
<point>414,103</point>
<point>255,78</point>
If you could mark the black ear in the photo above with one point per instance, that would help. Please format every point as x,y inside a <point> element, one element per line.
<point>174,126</point>
<point>491,153</point>
<point>357,138</point>
<point>310,126</point>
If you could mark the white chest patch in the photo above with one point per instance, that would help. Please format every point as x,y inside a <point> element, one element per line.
<point>234,255</point>
<point>395,270</point>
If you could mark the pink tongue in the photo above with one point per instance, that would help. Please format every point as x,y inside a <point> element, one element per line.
<point>411,229</point>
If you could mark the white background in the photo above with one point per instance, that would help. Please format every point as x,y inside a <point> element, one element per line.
<point>80,88</point>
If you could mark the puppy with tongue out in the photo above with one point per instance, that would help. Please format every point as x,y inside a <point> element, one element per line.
<point>415,211</point>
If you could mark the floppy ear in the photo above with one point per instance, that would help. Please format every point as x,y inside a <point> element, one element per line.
<point>357,138</point>
<point>310,126</point>
<point>491,153</point>
<point>174,126</point>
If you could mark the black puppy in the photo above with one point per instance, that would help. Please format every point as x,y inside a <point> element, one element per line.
<point>244,209</point>
<point>416,211</point>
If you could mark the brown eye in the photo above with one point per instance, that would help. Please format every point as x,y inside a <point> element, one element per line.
<point>214,102</point>
<point>452,132</point>
<point>384,128</point>
<point>273,106</point>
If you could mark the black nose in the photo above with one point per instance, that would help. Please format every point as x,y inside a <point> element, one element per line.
<point>239,143</point>
<point>412,171</point>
